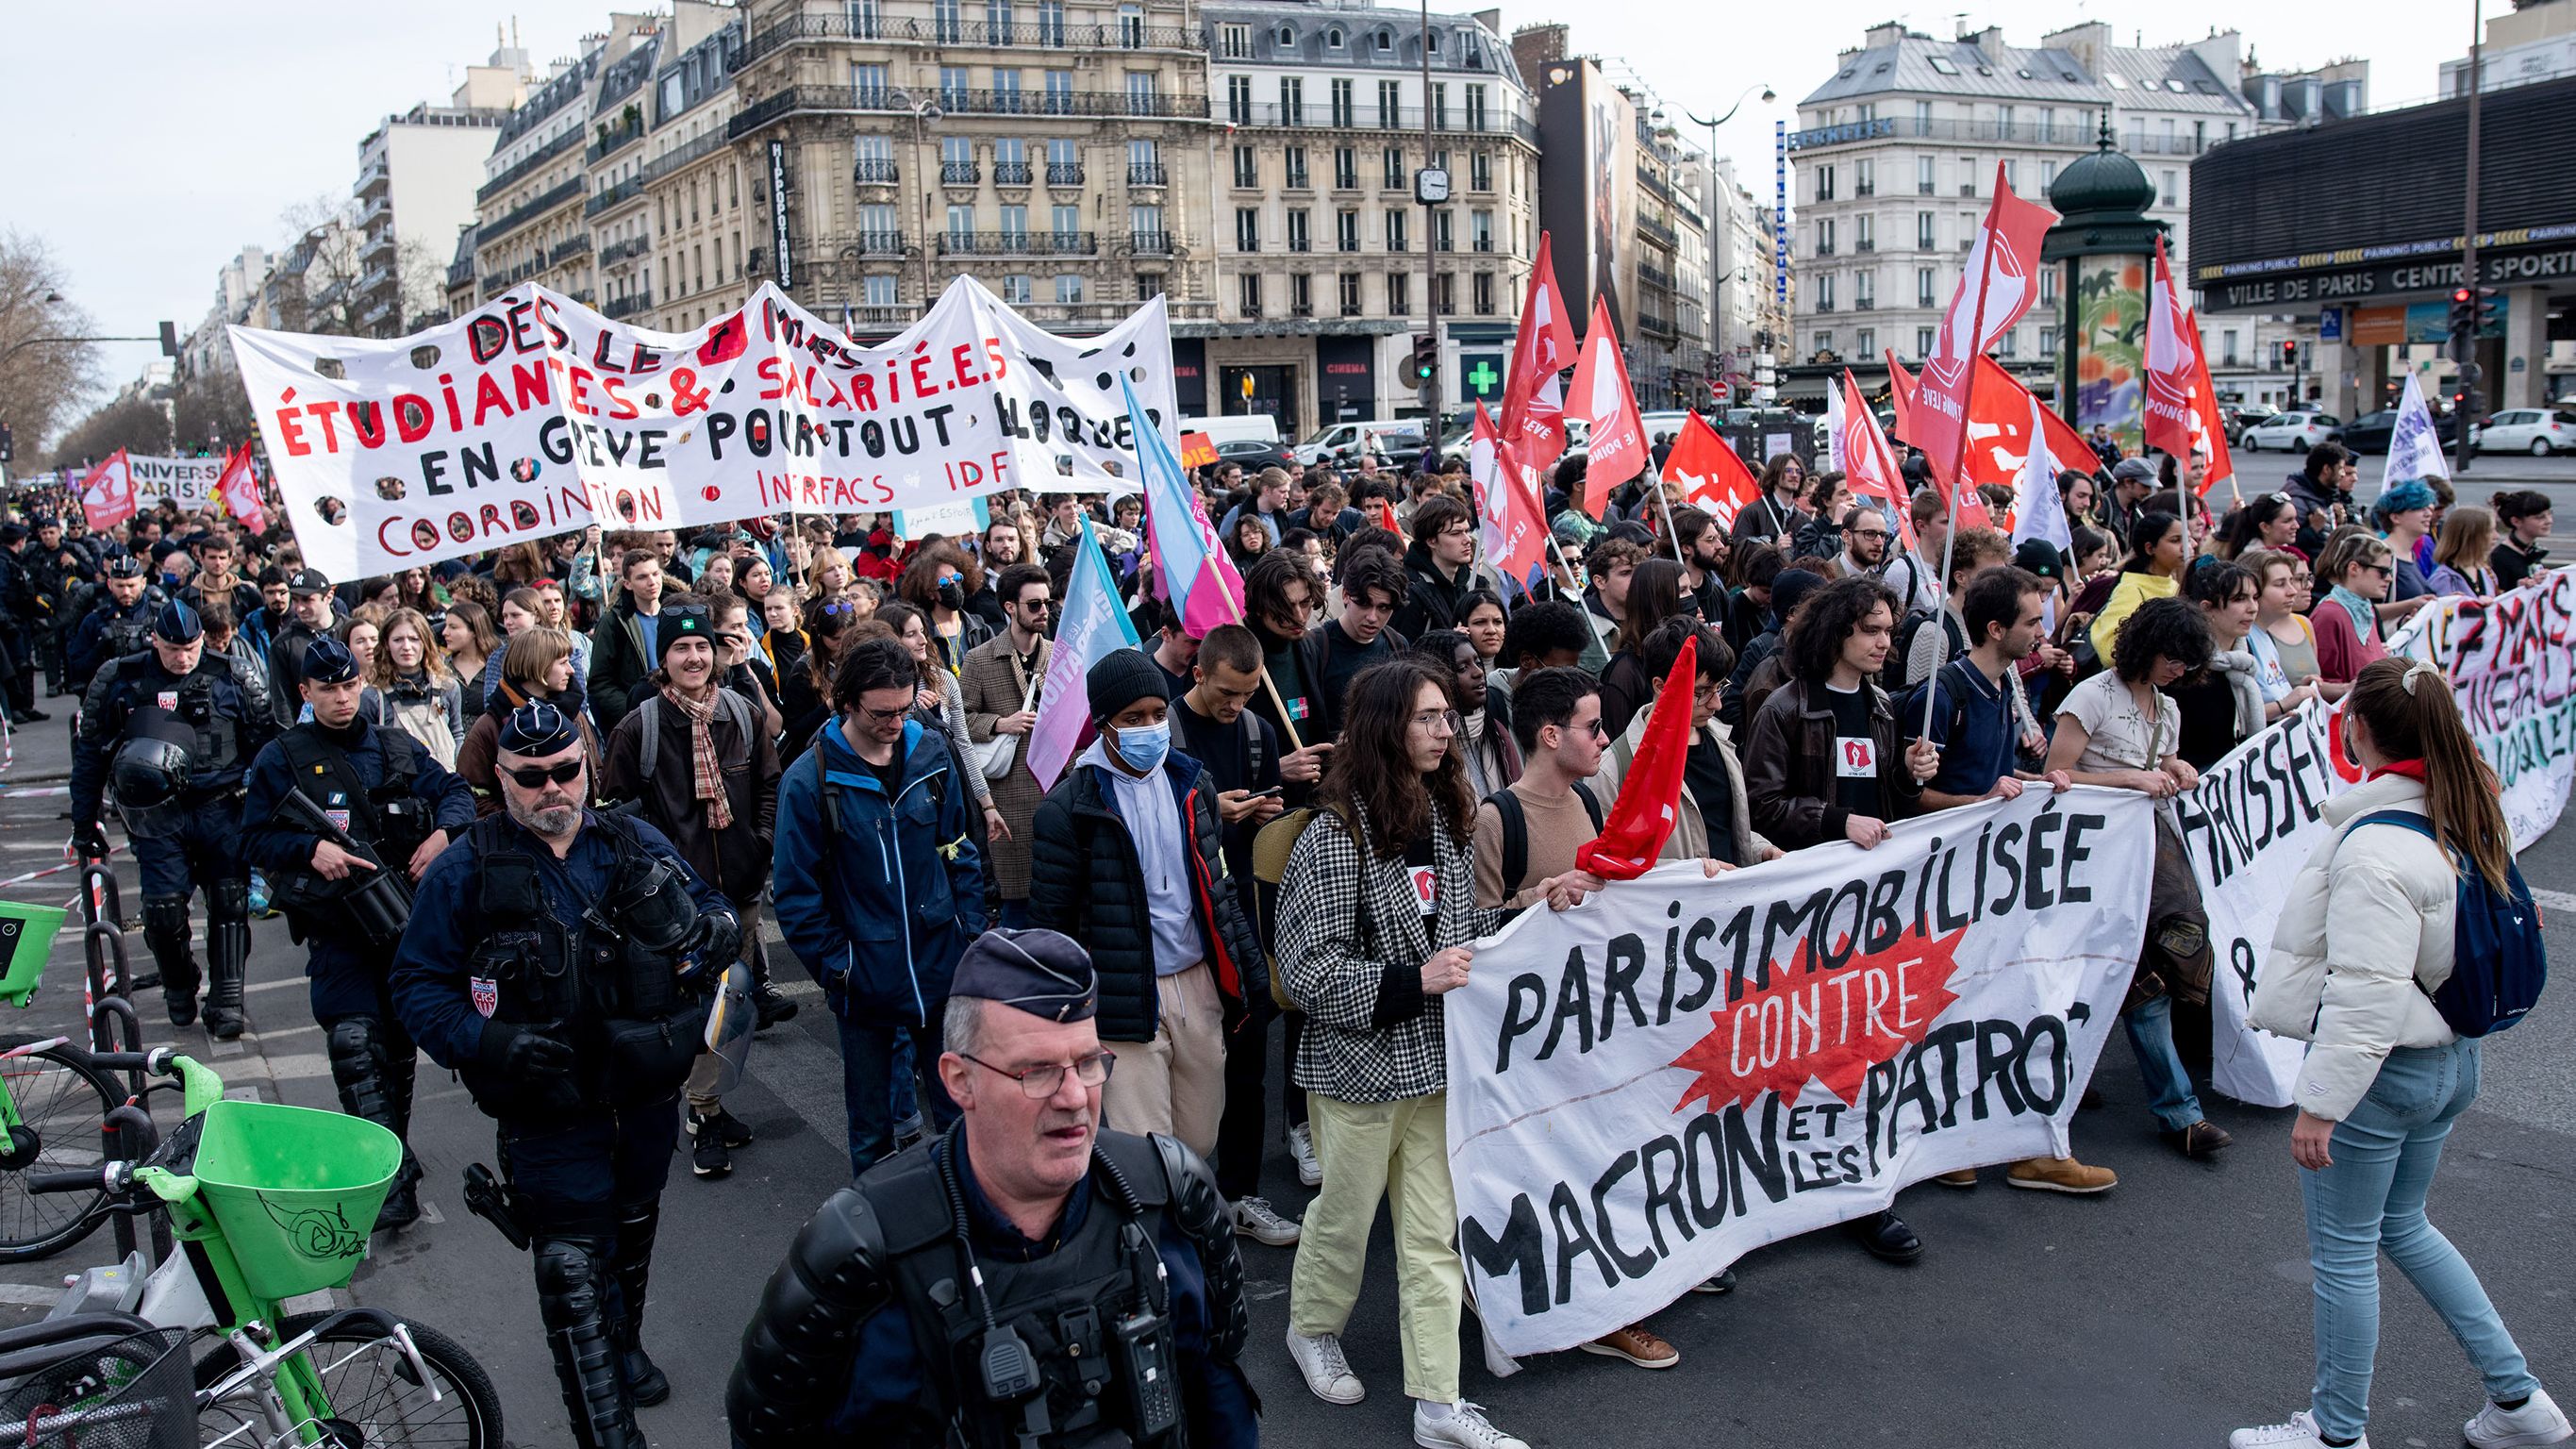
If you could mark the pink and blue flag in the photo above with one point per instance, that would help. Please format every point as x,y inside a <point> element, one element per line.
<point>1091,627</point>
<point>1190,566</point>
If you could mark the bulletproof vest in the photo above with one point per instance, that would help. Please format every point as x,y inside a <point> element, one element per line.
<point>387,822</point>
<point>183,709</point>
<point>1095,1313</point>
<point>128,631</point>
<point>605,984</point>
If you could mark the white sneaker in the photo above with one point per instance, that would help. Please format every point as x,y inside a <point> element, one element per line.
<point>2537,1422</point>
<point>1254,1218</point>
<point>1327,1373</point>
<point>1301,1145</point>
<point>1463,1427</point>
<point>2300,1433</point>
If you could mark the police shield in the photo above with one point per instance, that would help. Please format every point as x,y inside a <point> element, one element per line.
<point>730,1022</point>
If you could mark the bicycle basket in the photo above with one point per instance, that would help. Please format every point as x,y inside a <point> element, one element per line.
<point>132,1393</point>
<point>26,939</point>
<point>294,1191</point>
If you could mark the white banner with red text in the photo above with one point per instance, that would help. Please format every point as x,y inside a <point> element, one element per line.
<point>187,482</point>
<point>1682,1069</point>
<point>534,415</point>
<point>2257,815</point>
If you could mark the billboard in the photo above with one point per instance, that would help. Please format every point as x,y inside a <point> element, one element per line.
<point>1588,187</point>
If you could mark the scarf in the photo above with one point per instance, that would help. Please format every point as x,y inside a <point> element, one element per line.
<point>2243,674</point>
<point>706,773</point>
<point>2365,622</point>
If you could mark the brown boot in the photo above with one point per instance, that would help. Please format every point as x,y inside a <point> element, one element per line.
<point>2060,1174</point>
<point>1964,1177</point>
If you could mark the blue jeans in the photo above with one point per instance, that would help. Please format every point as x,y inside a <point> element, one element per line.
<point>2169,1093</point>
<point>868,1058</point>
<point>2372,1199</point>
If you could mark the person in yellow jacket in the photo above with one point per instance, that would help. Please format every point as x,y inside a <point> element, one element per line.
<point>2153,570</point>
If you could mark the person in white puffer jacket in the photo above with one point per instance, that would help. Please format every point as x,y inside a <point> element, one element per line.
<point>2364,939</point>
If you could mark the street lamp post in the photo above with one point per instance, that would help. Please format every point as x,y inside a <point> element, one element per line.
<point>923,112</point>
<point>1714,281</point>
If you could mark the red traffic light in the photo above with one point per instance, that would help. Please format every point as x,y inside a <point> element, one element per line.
<point>2461,295</point>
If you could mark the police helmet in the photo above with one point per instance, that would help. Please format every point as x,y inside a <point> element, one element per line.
<point>125,566</point>
<point>176,623</point>
<point>148,780</point>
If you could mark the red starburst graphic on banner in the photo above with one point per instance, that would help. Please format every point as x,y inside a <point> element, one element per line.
<point>1829,1025</point>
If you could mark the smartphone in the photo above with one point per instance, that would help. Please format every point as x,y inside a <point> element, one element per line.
<point>1258,794</point>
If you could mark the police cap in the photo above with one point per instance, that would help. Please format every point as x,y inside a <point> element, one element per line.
<point>1043,973</point>
<point>538,729</point>
<point>177,624</point>
<point>328,661</point>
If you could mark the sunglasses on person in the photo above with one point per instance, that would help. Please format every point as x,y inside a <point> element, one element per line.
<point>537,777</point>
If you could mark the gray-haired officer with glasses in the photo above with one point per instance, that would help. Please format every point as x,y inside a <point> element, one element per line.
<point>560,961</point>
<point>1026,1280</point>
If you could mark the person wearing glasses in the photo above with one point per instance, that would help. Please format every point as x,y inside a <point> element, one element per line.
<point>2357,569</point>
<point>556,958</point>
<point>1045,1219</point>
<point>1439,567</point>
<point>1865,539</point>
<point>995,690</point>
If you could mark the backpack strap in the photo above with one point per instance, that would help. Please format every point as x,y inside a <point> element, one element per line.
<point>1591,803</point>
<point>650,712</point>
<point>1515,822</point>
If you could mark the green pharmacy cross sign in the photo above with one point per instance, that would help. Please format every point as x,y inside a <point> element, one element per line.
<point>1480,376</point>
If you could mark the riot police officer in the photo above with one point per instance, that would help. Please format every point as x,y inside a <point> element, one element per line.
<point>117,624</point>
<point>1023,1281</point>
<point>54,567</point>
<point>346,891</point>
<point>171,733</point>
<point>559,959</point>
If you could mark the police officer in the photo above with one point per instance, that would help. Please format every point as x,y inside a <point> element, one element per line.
<point>1026,1280</point>
<point>173,732</point>
<point>347,899</point>
<point>117,624</point>
<point>558,960</point>
<point>54,567</point>
<point>19,619</point>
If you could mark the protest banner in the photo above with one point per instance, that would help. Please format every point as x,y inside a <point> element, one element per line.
<point>1682,1069</point>
<point>107,493</point>
<point>534,415</point>
<point>187,482</point>
<point>2258,814</point>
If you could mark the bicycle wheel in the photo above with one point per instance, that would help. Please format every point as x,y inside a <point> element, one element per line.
<point>64,1102</point>
<point>372,1389</point>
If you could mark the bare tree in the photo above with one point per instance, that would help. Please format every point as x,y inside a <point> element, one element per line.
<point>317,277</point>
<point>210,407</point>
<point>40,381</point>
<point>135,424</point>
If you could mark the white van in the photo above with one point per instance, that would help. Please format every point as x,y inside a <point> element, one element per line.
<point>1334,438</point>
<point>1235,428</point>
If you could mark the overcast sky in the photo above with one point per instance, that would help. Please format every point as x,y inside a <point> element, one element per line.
<point>149,142</point>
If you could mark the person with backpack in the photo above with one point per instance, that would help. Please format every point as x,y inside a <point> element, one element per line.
<point>2407,937</point>
<point>1713,819</point>
<point>694,761</point>
<point>877,883</point>
<point>1920,647</point>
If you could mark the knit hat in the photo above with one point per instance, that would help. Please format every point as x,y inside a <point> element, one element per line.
<point>1791,586</point>
<point>683,621</point>
<point>2039,556</point>
<point>1120,678</point>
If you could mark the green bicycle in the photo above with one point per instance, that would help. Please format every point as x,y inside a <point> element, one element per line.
<point>271,1202</point>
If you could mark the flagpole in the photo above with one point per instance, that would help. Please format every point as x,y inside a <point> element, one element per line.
<point>1959,458</point>
<point>1670,536</point>
<point>1588,616</point>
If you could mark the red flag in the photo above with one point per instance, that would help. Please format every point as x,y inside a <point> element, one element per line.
<point>1900,394</point>
<point>107,493</point>
<point>2171,363</point>
<point>1998,284</point>
<point>1602,399</point>
<point>239,489</point>
<point>1386,517</point>
<point>1712,477</point>
<point>1869,463</point>
<point>1533,410</point>
<point>1999,430</point>
<point>1515,529</point>
<point>2209,429</point>
<point>1649,803</point>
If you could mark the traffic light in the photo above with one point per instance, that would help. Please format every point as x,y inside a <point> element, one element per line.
<point>1426,359</point>
<point>2290,353</point>
<point>2486,308</point>
<point>2464,309</point>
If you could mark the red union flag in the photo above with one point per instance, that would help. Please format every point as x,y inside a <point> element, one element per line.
<point>2172,363</point>
<point>2209,430</point>
<point>1601,398</point>
<point>1515,540</point>
<point>1900,395</point>
<point>107,493</point>
<point>1998,284</point>
<point>1533,414</point>
<point>1712,477</point>
<point>239,489</point>
<point>1870,463</point>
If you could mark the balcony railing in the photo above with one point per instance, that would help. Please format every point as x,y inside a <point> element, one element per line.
<point>1657,231</point>
<point>568,249</point>
<point>1823,249</point>
<point>460,274</point>
<point>526,164</point>
<point>1064,173</point>
<point>1456,123</point>
<point>628,305</point>
<point>1018,243</point>
<point>847,100</point>
<point>875,171</point>
<point>1146,173</point>
<point>1011,173</point>
<point>959,173</point>
<point>670,161</point>
<point>1036,34</point>
<point>614,139</point>
<point>2075,131</point>
<point>1150,243</point>
<point>490,232</point>
<point>382,241</point>
<point>853,245</point>
<point>633,246</point>
<point>618,195</point>
<point>373,278</point>
<point>1297,181</point>
<point>1866,188</point>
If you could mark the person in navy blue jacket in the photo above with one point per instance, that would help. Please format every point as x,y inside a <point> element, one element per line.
<point>878,885</point>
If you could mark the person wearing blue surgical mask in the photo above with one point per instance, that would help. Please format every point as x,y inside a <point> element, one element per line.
<point>1125,859</point>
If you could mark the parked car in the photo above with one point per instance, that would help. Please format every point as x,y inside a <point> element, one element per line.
<point>1334,438</point>
<point>2293,432</point>
<point>2370,432</point>
<point>1235,427</point>
<point>1253,454</point>
<point>2537,431</point>
<point>2240,416</point>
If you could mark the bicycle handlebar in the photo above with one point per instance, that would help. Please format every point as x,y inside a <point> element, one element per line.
<point>82,1179</point>
<point>159,1062</point>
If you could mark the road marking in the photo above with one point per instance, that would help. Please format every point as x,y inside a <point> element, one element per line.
<point>2554,900</point>
<point>34,1295</point>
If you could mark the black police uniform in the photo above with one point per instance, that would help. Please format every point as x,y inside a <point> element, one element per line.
<point>912,1312</point>
<point>389,796</point>
<point>54,572</point>
<point>537,980</point>
<point>110,630</point>
<point>192,839</point>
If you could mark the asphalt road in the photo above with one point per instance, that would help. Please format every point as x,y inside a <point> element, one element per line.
<point>2163,1313</point>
